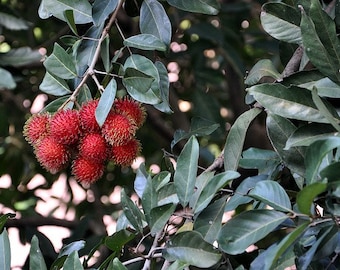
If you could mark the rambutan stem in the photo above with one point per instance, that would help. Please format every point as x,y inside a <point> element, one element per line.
<point>96,55</point>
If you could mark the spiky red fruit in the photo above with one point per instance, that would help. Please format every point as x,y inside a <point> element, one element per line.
<point>87,171</point>
<point>125,154</point>
<point>87,116</point>
<point>131,109</point>
<point>36,127</point>
<point>117,128</point>
<point>94,147</point>
<point>65,126</point>
<point>53,156</point>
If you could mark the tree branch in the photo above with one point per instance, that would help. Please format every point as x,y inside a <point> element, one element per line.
<point>40,221</point>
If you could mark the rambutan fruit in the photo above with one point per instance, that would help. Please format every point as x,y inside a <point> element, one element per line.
<point>65,126</point>
<point>87,171</point>
<point>87,116</point>
<point>94,147</point>
<point>53,156</point>
<point>117,128</point>
<point>132,109</point>
<point>36,127</point>
<point>125,154</point>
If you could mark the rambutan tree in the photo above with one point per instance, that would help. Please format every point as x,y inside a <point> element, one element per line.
<point>213,197</point>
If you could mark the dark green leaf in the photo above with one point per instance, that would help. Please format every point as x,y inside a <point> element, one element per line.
<point>36,258</point>
<point>273,194</point>
<point>306,196</point>
<point>209,221</point>
<point>247,228</point>
<point>105,53</point>
<point>189,247</point>
<point>144,65</point>
<point>101,9</point>
<point>115,264</point>
<point>209,191</point>
<point>210,7</point>
<point>331,173</point>
<point>20,57</point>
<point>153,20</point>
<point>281,22</point>
<point>279,129</point>
<point>116,241</point>
<point>72,262</point>
<point>198,127</point>
<point>105,102</point>
<point>68,249</point>
<point>146,42</point>
<point>132,212</point>
<point>164,84</point>
<point>84,95</point>
<point>60,63</point>
<point>161,179</point>
<point>315,154</point>
<point>178,265</point>
<point>13,23</point>
<point>82,9</point>
<point>5,251</point>
<point>185,174</point>
<point>263,68</point>
<point>290,102</point>
<point>55,104</point>
<point>54,85</point>
<point>159,216</point>
<point>261,159</point>
<point>167,194</point>
<point>7,80</point>
<point>309,133</point>
<point>235,140</point>
<point>136,79</point>
<point>69,18</point>
<point>149,199</point>
<point>321,42</point>
<point>3,219</point>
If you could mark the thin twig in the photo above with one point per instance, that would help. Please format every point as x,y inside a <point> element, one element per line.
<point>152,250</point>
<point>138,259</point>
<point>217,164</point>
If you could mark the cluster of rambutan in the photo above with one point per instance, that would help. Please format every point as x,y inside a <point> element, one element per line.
<point>74,137</point>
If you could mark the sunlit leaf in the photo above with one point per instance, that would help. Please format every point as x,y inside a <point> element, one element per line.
<point>105,102</point>
<point>247,228</point>
<point>189,247</point>
<point>185,174</point>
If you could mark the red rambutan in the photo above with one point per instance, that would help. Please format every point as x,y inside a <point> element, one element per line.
<point>65,127</point>
<point>125,154</point>
<point>87,116</point>
<point>132,109</point>
<point>53,156</point>
<point>36,127</point>
<point>118,128</point>
<point>87,171</point>
<point>93,147</point>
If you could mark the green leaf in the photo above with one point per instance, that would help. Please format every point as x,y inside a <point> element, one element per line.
<point>263,68</point>
<point>281,22</point>
<point>136,79</point>
<point>290,102</point>
<point>167,194</point>
<point>13,23</point>
<point>273,194</point>
<point>144,65</point>
<point>149,199</point>
<point>141,180</point>
<point>159,216</point>
<point>36,258</point>
<point>189,247</point>
<point>261,159</point>
<point>331,173</point>
<point>210,7</point>
<point>306,196</point>
<point>4,218</point>
<point>178,265</point>
<point>161,179</point>
<point>209,221</point>
<point>5,251</point>
<point>105,102</point>
<point>116,241</point>
<point>279,129</point>
<point>115,264</point>
<point>20,57</point>
<point>82,9</point>
<point>53,85</point>
<point>55,104</point>
<point>60,63</point>
<point>325,86</point>
<point>84,95</point>
<point>247,228</point>
<point>309,133</point>
<point>146,42</point>
<point>69,18</point>
<point>132,212</point>
<point>198,127</point>
<point>154,20</point>
<point>72,262</point>
<point>186,170</point>
<point>214,185</point>
<point>68,249</point>
<point>235,140</point>
<point>321,42</point>
<point>164,85</point>
<point>7,80</point>
<point>314,155</point>
<point>101,9</point>
<point>105,54</point>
